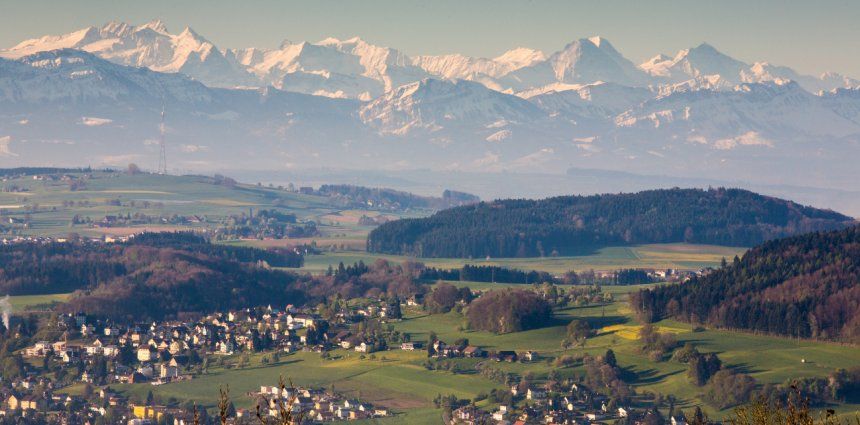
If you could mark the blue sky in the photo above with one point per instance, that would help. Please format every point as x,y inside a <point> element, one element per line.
<point>810,36</point>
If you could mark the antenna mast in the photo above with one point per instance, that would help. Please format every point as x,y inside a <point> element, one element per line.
<point>162,155</point>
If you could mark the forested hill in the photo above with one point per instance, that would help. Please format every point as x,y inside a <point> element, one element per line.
<point>174,275</point>
<point>152,277</point>
<point>574,224</point>
<point>804,286</point>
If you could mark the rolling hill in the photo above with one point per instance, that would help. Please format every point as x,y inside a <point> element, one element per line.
<point>805,286</point>
<point>570,224</point>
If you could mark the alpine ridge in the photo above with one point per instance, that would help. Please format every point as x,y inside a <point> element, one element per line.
<point>94,96</point>
<point>355,68</point>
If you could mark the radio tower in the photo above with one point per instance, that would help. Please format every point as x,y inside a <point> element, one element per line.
<point>162,155</point>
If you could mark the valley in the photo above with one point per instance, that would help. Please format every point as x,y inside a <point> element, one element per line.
<point>406,384</point>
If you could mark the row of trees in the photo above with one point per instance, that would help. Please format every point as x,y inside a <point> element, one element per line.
<point>472,273</point>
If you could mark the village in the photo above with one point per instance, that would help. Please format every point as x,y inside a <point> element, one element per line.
<point>106,353</point>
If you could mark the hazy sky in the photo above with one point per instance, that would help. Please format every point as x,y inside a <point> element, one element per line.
<point>810,36</point>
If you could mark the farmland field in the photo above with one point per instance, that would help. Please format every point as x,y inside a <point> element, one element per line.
<point>50,205</point>
<point>398,380</point>
<point>657,256</point>
<point>25,302</point>
<point>393,379</point>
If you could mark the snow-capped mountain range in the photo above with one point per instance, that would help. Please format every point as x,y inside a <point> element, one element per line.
<point>95,96</point>
<point>356,69</point>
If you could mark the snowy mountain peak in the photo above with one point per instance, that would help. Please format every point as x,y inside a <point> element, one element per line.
<point>155,25</point>
<point>189,33</point>
<point>329,41</point>
<point>705,47</point>
<point>654,61</point>
<point>594,59</point>
<point>520,56</point>
<point>355,68</point>
<point>704,124</point>
<point>333,41</point>
<point>117,29</point>
<point>284,44</point>
<point>596,40</point>
<point>699,61</point>
<point>706,51</point>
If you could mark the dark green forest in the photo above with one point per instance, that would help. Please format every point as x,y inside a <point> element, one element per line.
<point>804,286</point>
<point>495,274</point>
<point>579,224</point>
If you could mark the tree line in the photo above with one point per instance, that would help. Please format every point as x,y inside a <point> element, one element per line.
<point>472,273</point>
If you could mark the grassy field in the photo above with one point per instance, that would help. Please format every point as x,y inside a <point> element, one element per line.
<point>398,380</point>
<point>658,256</point>
<point>27,302</point>
<point>393,379</point>
<point>46,203</point>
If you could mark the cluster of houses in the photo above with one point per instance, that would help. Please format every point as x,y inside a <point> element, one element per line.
<point>162,348</point>
<point>140,219</point>
<point>160,352</point>
<point>439,349</point>
<point>578,405</point>
<point>315,404</point>
<point>44,240</point>
<point>36,399</point>
<point>677,275</point>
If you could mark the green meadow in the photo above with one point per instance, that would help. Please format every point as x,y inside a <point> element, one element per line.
<point>46,203</point>
<point>28,302</point>
<point>398,379</point>
<point>657,256</point>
